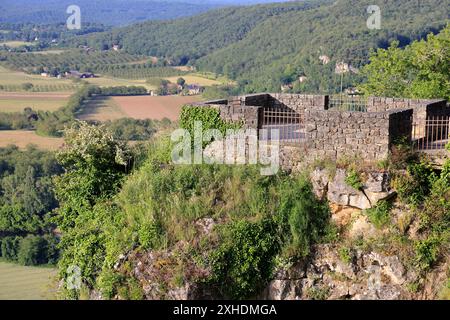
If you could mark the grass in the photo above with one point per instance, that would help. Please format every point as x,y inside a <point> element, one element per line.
<point>196,79</point>
<point>52,51</point>
<point>26,283</point>
<point>11,81</point>
<point>15,44</point>
<point>18,102</point>
<point>23,138</point>
<point>116,82</point>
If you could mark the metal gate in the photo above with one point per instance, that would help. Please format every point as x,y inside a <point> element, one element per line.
<point>288,123</point>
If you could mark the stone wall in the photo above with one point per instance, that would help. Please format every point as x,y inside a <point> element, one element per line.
<point>422,108</point>
<point>333,133</point>
<point>400,124</point>
<point>299,102</point>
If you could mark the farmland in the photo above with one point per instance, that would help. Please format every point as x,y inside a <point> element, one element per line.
<point>155,108</point>
<point>22,138</point>
<point>16,102</point>
<point>139,107</point>
<point>12,81</point>
<point>196,79</point>
<point>15,44</point>
<point>101,109</point>
<point>117,82</point>
<point>26,283</point>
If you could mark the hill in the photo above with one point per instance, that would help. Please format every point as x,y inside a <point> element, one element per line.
<point>264,46</point>
<point>108,12</point>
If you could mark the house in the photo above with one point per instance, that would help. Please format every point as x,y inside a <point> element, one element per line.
<point>79,75</point>
<point>302,79</point>
<point>116,47</point>
<point>194,89</point>
<point>44,74</point>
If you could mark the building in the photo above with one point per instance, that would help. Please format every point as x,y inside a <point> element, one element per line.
<point>194,89</point>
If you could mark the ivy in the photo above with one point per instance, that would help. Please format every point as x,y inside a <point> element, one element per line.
<point>209,117</point>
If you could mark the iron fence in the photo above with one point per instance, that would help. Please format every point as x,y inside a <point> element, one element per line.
<point>431,134</point>
<point>348,103</point>
<point>283,124</point>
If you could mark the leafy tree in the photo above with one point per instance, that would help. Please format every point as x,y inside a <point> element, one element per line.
<point>32,251</point>
<point>418,71</point>
<point>181,81</point>
<point>95,163</point>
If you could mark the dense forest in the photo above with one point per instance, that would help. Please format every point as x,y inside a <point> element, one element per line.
<point>241,43</point>
<point>107,12</point>
<point>27,199</point>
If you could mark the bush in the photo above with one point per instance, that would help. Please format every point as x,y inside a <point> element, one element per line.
<point>32,251</point>
<point>353,179</point>
<point>427,252</point>
<point>415,185</point>
<point>345,254</point>
<point>10,247</point>
<point>380,214</point>
<point>244,261</point>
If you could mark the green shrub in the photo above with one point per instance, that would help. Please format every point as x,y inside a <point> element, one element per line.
<point>415,185</point>
<point>32,251</point>
<point>244,261</point>
<point>302,217</point>
<point>353,179</point>
<point>380,214</point>
<point>10,247</point>
<point>427,252</point>
<point>345,254</point>
<point>318,293</point>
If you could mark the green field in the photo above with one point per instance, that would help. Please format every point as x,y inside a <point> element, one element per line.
<point>116,82</point>
<point>10,102</point>
<point>12,81</point>
<point>15,44</point>
<point>26,283</point>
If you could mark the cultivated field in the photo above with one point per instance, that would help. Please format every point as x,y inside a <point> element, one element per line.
<point>195,79</point>
<point>17,101</point>
<point>26,283</point>
<point>22,138</point>
<point>101,109</point>
<point>116,82</point>
<point>137,107</point>
<point>15,44</point>
<point>157,108</point>
<point>12,81</point>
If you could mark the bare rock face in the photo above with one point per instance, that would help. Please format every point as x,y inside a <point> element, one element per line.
<point>320,180</point>
<point>341,193</point>
<point>337,191</point>
<point>362,228</point>
<point>367,276</point>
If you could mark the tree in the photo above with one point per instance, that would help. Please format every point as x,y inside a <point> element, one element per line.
<point>418,71</point>
<point>32,251</point>
<point>181,82</point>
<point>95,163</point>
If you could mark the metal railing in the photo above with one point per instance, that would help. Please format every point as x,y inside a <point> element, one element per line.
<point>431,134</point>
<point>288,124</point>
<point>348,103</point>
